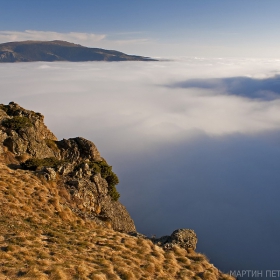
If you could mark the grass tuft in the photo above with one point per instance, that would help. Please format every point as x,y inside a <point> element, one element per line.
<point>41,238</point>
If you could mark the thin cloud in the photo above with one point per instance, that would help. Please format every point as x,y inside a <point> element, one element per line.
<point>137,97</point>
<point>266,88</point>
<point>133,41</point>
<point>112,41</point>
<point>8,36</point>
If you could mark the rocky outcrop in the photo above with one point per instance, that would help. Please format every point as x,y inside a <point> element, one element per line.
<point>91,193</point>
<point>77,149</point>
<point>184,238</point>
<point>75,164</point>
<point>30,136</point>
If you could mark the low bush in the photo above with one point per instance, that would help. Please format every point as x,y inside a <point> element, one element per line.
<point>111,178</point>
<point>105,169</point>
<point>52,144</point>
<point>4,107</point>
<point>38,163</point>
<point>94,167</point>
<point>17,123</point>
<point>112,191</point>
<point>106,172</point>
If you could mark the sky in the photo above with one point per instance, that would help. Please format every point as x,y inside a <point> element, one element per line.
<point>195,140</point>
<point>161,28</point>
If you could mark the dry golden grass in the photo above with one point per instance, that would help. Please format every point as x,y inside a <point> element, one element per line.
<point>41,238</point>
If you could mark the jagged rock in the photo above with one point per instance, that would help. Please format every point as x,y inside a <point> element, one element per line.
<point>32,140</point>
<point>65,168</point>
<point>77,149</point>
<point>91,193</point>
<point>3,137</point>
<point>88,190</point>
<point>185,238</point>
<point>139,235</point>
<point>118,215</point>
<point>49,173</point>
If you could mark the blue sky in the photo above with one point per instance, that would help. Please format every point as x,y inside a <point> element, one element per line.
<point>156,28</point>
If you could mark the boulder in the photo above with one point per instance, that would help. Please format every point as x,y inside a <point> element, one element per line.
<point>184,238</point>
<point>78,149</point>
<point>32,139</point>
<point>49,173</point>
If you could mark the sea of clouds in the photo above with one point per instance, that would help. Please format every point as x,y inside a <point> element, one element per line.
<point>194,141</point>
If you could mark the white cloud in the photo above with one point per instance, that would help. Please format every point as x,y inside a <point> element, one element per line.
<point>130,102</point>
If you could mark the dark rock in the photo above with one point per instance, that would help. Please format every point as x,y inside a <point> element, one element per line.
<point>78,149</point>
<point>137,234</point>
<point>184,238</point>
<point>25,140</point>
<point>49,173</point>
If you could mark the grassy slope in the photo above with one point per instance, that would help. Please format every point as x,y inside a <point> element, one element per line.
<point>40,238</point>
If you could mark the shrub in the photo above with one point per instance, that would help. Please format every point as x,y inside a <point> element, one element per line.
<point>105,169</point>
<point>112,191</point>
<point>4,107</point>
<point>17,123</point>
<point>106,172</point>
<point>94,167</point>
<point>112,179</point>
<point>51,144</point>
<point>37,163</point>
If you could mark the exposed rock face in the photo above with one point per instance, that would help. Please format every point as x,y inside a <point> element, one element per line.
<point>185,238</point>
<point>28,139</point>
<point>24,134</point>
<point>75,149</point>
<point>90,191</point>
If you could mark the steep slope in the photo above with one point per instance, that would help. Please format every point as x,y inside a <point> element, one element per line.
<point>27,51</point>
<point>59,219</point>
<point>75,164</point>
<point>41,238</point>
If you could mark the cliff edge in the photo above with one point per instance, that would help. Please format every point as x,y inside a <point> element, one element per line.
<point>61,218</point>
<point>75,164</point>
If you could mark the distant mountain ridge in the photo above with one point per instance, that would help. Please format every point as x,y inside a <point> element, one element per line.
<point>30,51</point>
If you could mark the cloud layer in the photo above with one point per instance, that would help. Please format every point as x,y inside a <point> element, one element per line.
<point>10,36</point>
<point>193,145</point>
<point>137,98</point>
<point>266,89</point>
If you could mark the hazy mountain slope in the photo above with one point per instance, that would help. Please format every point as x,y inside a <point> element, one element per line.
<point>28,51</point>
